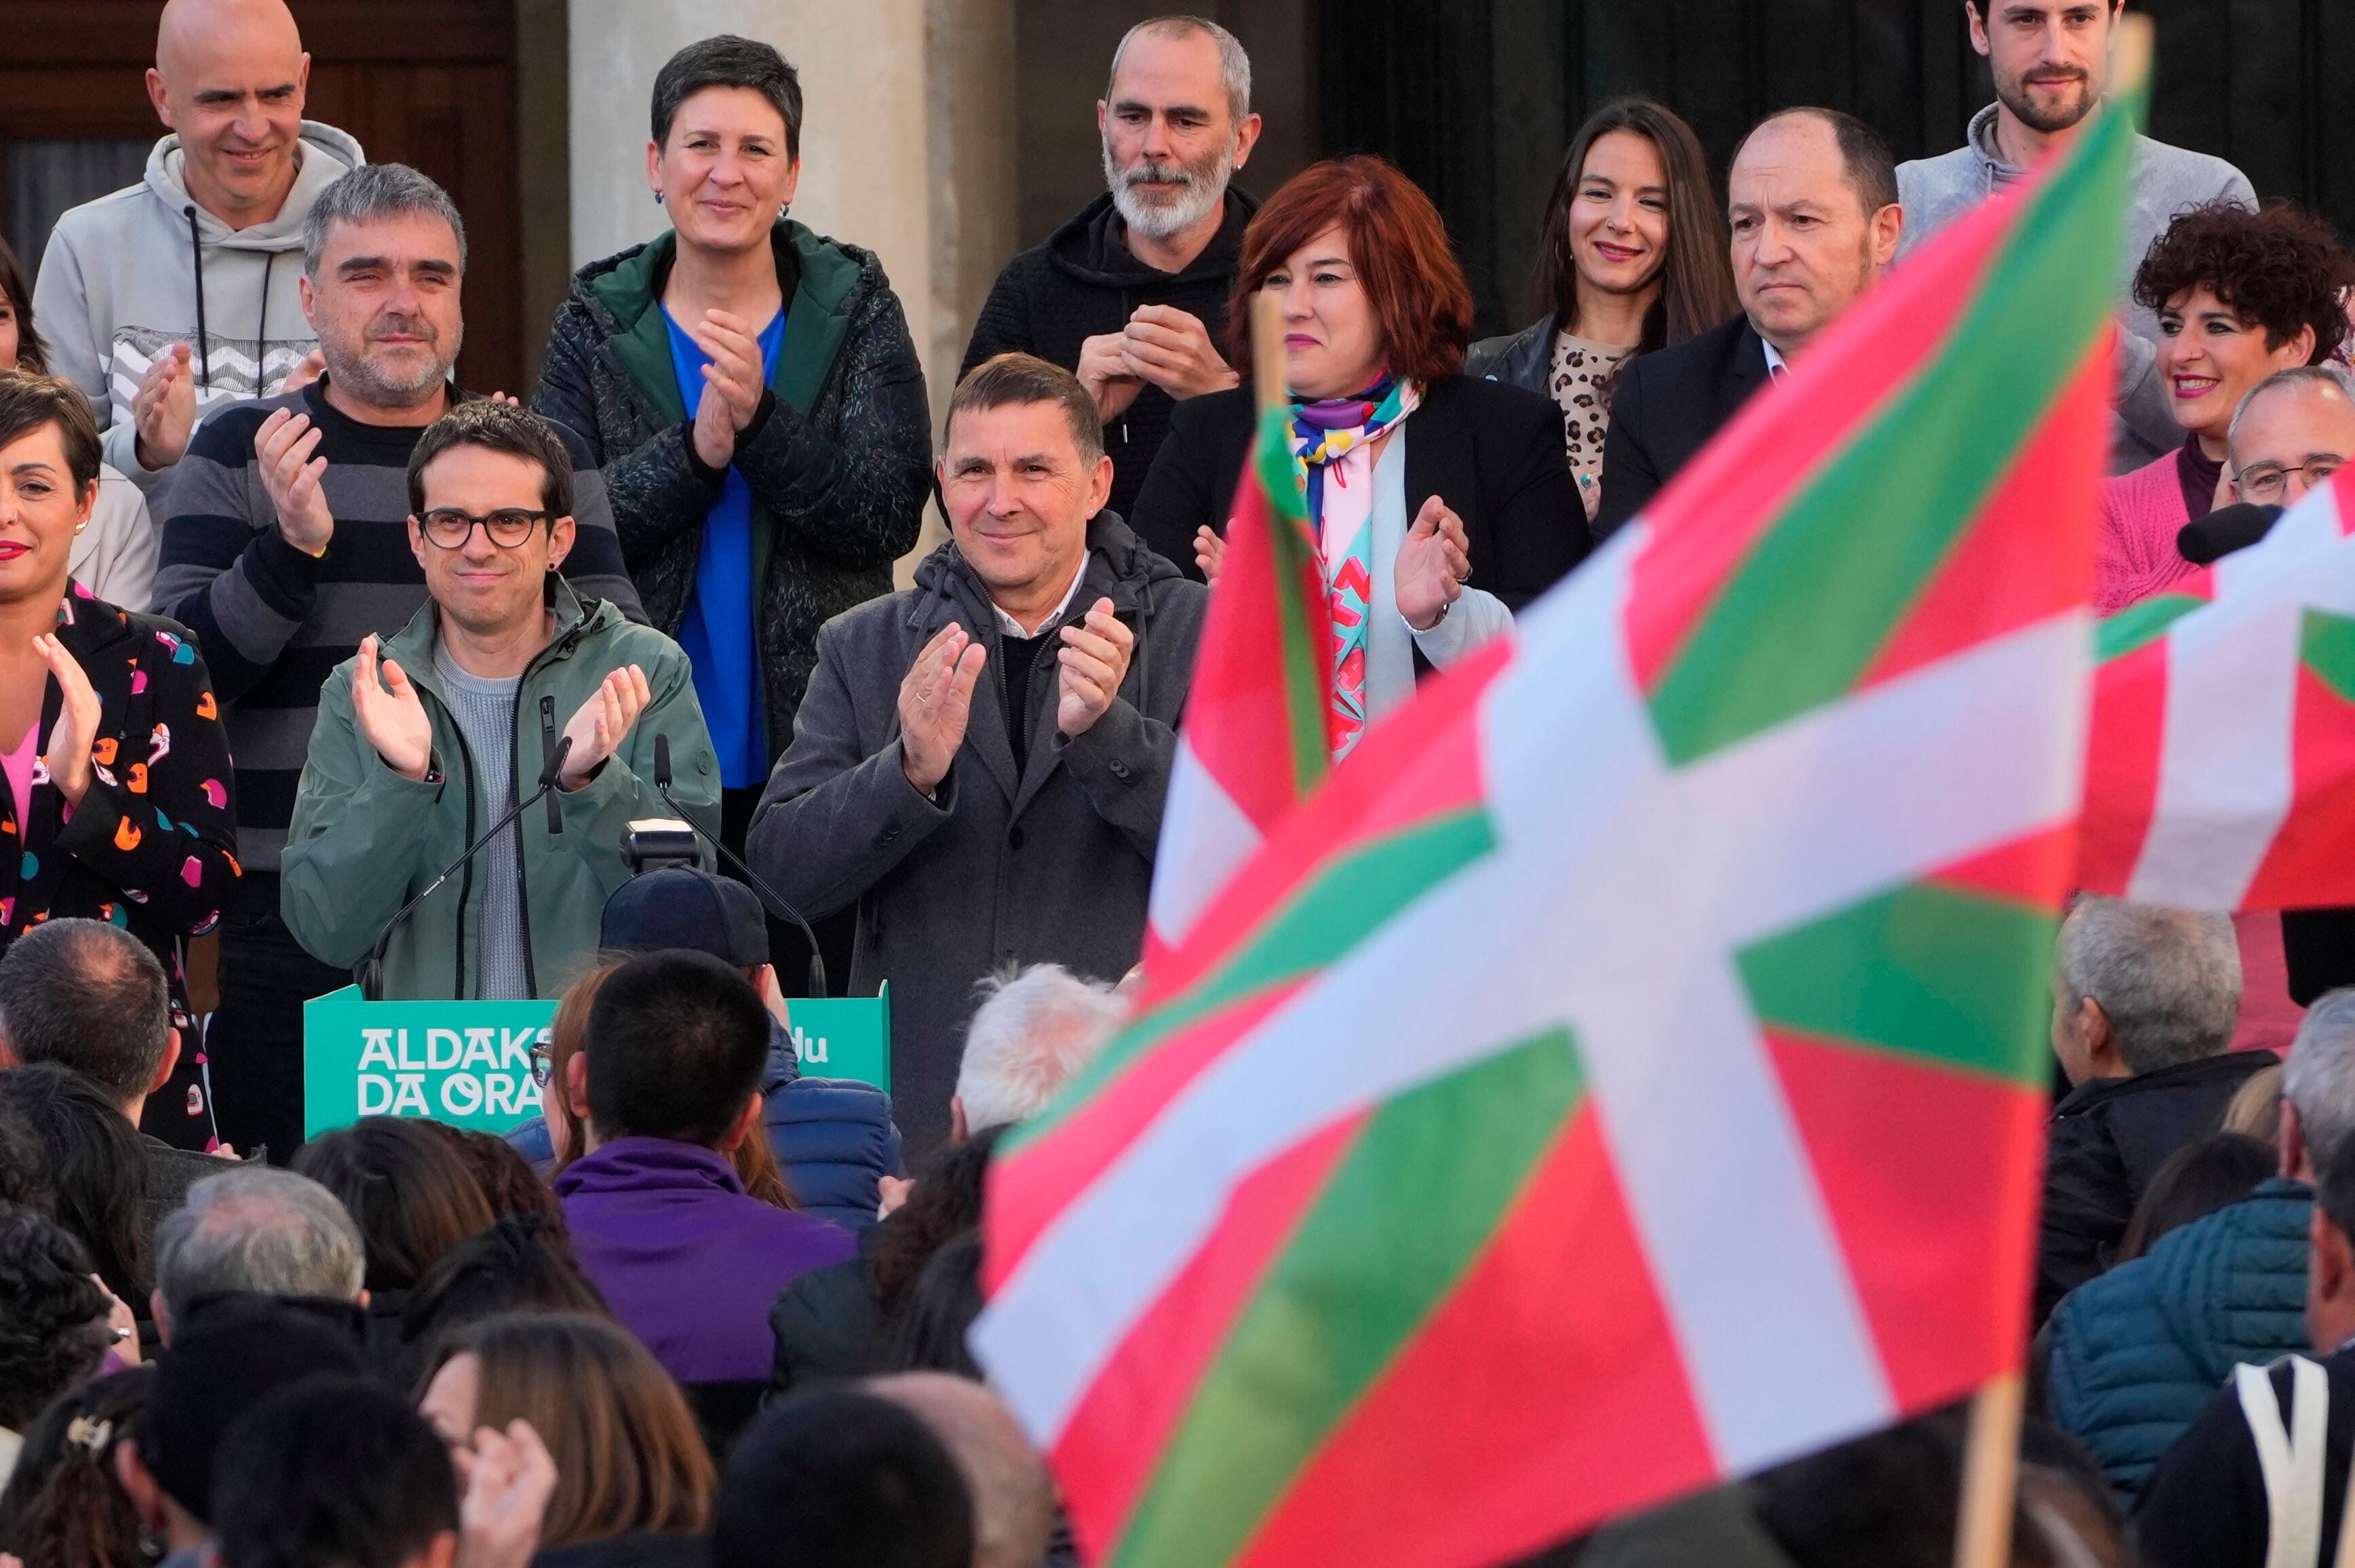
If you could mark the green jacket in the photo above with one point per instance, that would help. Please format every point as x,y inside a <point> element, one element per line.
<point>365,839</point>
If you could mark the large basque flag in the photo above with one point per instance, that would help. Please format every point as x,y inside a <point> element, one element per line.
<point>2221,774</point>
<point>1629,1069</point>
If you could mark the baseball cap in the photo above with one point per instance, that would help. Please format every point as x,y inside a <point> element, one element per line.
<point>681,906</point>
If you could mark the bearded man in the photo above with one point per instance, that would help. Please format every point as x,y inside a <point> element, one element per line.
<point>286,543</point>
<point>1130,294</point>
<point>2049,59</point>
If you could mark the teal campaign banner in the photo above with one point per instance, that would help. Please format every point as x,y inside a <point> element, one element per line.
<point>470,1063</point>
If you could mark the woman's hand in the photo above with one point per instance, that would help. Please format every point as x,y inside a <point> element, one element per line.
<point>732,385</point>
<point>1433,565</point>
<point>76,730</point>
<point>1209,553</point>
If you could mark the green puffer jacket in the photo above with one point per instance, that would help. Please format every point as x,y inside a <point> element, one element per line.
<point>365,839</point>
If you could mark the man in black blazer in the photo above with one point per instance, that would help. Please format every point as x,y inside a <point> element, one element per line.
<point>1812,200</point>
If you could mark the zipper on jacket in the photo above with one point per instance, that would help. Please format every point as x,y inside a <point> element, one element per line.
<point>466,877</point>
<point>560,647</point>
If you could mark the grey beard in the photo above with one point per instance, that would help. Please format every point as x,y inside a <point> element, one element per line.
<point>364,380</point>
<point>1201,198</point>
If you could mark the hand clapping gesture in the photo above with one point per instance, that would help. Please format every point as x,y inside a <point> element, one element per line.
<point>732,384</point>
<point>290,475</point>
<point>76,731</point>
<point>1094,656</point>
<point>599,724</point>
<point>394,723</point>
<point>163,408</point>
<point>1434,564</point>
<point>935,702</point>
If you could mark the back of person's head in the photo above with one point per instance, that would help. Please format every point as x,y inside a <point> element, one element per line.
<point>931,1319</point>
<point>64,1503</point>
<point>405,1187</point>
<point>629,1458</point>
<point>507,1182</point>
<point>1886,1500</point>
<point>944,1203</point>
<point>90,995</point>
<point>2169,980</point>
<point>1013,1497</point>
<point>851,1481</point>
<point>2318,1079</point>
<point>1034,1032</point>
<point>689,909</point>
<point>2254,1109</point>
<point>2197,1179</point>
<point>677,1045</point>
<point>334,1474</point>
<point>222,1363</point>
<point>53,1316</point>
<point>23,1164</point>
<point>520,1264</point>
<point>96,1171</point>
<point>255,1229</point>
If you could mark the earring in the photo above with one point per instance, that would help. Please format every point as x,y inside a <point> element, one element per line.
<point>782,211</point>
<point>658,201</point>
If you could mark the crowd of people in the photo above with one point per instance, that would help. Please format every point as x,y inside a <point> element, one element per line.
<point>305,645</point>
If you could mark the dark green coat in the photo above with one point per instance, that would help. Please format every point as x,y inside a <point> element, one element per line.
<point>839,458</point>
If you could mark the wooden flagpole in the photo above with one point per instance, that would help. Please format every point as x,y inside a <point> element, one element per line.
<point>1267,350</point>
<point>1990,1473</point>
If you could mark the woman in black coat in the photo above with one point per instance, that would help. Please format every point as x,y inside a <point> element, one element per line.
<point>1440,502</point>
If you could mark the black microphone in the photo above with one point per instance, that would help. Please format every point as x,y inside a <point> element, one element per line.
<point>372,975</point>
<point>777,903</point>
<point>2224,530</point>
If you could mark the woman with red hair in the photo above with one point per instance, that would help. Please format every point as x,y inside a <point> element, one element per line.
<point>1440,503</point>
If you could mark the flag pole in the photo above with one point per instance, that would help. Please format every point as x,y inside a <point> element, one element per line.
<point>1990,1473</point>
<point>1267,350</point>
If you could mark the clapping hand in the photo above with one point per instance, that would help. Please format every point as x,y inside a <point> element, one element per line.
<point>76,731</point>
<point>599,724</point>
<point>1209,553</point>
<point>163,408</point>
<point>1094,656</point>
<point>282,448</point>
<point>394,723</point>
<point>732,384</point>
<point>1434,564</point>
<point>935,702</point>
<point>506,1479</point>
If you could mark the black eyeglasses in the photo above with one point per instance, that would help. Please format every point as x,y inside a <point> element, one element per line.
<point>449,528</point>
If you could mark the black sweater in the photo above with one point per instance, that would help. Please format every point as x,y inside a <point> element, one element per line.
<point>1083,283</point>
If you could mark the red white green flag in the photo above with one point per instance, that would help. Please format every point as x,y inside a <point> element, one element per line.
<point>1628,1071</point>
<point>2221,772</point>
<point>1256,738</point>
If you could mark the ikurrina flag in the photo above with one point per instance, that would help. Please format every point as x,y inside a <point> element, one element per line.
<point>1256,738</point>
<point>1629,1069</point>
<point>2221,772</point>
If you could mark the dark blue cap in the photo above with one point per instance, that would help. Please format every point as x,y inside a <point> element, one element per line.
<point>680,906</point>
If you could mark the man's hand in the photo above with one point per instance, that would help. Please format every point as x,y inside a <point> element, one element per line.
<point>732,385</point>
<point>76,730</point>
<point>507,1479</point>
<point>599,724</point>
<point>395,725</point>
<point>1172,350</point>
<point>281,449</point>
<point>307,369</point>
<point>164,409</point>
<point>1209,553</point>
<point>936,701</point>
<point>1103,372</point>
<point>1094,656</point>
<point>1433,565</point>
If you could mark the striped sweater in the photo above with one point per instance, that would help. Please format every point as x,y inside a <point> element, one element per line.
<point>273,622</point>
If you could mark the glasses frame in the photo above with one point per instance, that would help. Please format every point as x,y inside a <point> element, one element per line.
<point>2241,486</point>
<point>531,521</point>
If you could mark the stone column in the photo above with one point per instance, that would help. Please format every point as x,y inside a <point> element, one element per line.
<point>906,145</point>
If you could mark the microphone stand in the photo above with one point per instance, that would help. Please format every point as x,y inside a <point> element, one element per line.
<point>777,903</point>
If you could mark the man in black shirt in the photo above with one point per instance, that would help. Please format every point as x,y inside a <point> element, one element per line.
<point>1130,294</point>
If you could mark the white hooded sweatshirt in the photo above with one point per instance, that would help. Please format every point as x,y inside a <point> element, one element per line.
<point>130,274</point>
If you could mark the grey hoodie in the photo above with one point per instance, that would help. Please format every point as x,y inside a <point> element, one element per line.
<point>2166,181</point>
<point>118,284</point>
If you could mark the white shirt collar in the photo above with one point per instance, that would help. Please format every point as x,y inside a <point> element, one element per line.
<point>1775,364</point>
<point>1011,628</point>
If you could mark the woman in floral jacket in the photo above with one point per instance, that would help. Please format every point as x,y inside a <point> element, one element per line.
<point>117,805</point>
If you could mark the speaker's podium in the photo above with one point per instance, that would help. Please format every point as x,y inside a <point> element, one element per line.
<point>471,1063</point>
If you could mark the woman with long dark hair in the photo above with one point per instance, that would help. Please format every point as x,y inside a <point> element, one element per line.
<point>1631,257</point>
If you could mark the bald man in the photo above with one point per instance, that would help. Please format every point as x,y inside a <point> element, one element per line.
<point>180,292</point>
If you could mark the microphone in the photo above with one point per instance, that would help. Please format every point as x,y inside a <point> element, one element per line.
<point>777,903</point>
<point>2224,530</point>
<point>372,974</point>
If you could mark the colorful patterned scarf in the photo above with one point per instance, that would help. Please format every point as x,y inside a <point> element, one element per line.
<point>1332,453</point>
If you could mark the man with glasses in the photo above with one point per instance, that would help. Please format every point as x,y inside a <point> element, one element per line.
<point>426,739</point>
<point>285,543</point>
<point>2291,433</point>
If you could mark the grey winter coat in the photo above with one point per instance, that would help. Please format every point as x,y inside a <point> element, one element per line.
<point>838,457</point>
<point>2166,181</point>
<point>1001,870</point>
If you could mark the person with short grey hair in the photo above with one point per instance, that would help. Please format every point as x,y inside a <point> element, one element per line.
<point>287,542</point>
<point>2144,1001</point>
<point>1036,1029</point>
<point>2293,430</point>
<point>1131,292</point>
<point>260,1230</point>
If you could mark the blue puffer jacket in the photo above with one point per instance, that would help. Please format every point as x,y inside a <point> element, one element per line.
<point>2137,1351</point>
<point>834,1138</point>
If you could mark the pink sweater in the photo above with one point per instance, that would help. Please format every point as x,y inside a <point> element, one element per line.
<point>2135,553</point>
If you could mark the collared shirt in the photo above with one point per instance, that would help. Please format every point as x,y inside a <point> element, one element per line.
<point>1014,628</point>
<point>1776,365</point>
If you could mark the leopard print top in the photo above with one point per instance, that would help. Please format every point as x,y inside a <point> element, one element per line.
<point>1581,377</point>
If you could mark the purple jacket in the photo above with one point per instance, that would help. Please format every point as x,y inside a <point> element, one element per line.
<point>688,1262</point>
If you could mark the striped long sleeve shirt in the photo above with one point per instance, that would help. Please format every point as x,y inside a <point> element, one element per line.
<point>273,622</point>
